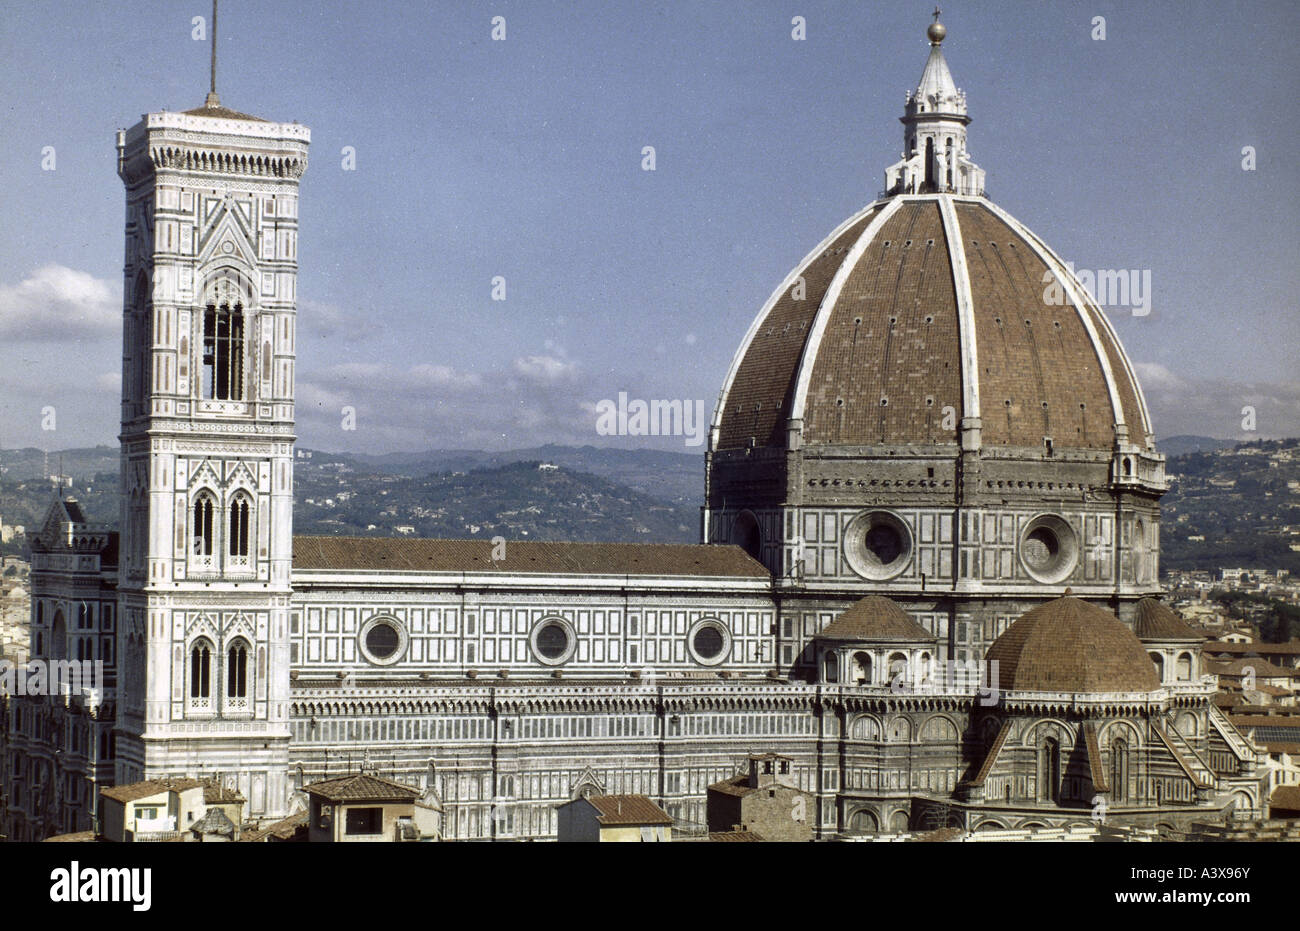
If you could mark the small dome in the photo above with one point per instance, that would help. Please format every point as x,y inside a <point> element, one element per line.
<point>876,618</point>
<point>1155,620</point>
<point>1068,645</point>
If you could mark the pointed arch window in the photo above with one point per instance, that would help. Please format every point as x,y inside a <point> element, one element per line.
<point>237,671</point>
<point>202,531</point>
<point>240,521</point>
<point>223,352</point>
<point>237,676</point>
<point>58,637</point>
<point>1119,770</point>
<point>1049,770</point>
<point>200,673</point>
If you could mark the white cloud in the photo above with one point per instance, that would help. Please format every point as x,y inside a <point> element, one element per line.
<point>1214,407</point>
<point>534,398</point>
<point>56,303</point>
<point>546,370</point>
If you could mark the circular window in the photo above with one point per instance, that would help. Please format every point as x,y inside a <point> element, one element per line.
<point>877,545</point>
<point>709,642</point>
<point>553,641</point>
<point>1049,549</point>
<point>383,640</point>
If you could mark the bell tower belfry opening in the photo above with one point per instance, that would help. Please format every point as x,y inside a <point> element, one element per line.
<point>207,447</point>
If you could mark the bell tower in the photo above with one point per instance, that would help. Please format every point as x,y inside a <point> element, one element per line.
<point>207,438</point>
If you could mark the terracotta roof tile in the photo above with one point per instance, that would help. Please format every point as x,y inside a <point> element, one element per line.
<point>762,391</point>
<point>1155,620</point>
<point>217,795</point>
<point>627,809</point>
<point>284,829</point>
<point>1290,648</point>
<point>223,113</point>
<point>738,785</point>
<point>1262,668</point>
<point>889,357</point>
<point>137,790</point>
<point>361,787</point>
<point>734,837</point>
<point>891,335</point>
<point>875,618</point>
<point>214,821</point>
<point>1068,645</point>
<point>399,554</point>
<point>80,837</point>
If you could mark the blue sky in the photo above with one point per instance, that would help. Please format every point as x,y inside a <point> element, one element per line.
<point>522,158</point>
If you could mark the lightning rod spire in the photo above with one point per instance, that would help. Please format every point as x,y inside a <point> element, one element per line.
<point>213,100</point>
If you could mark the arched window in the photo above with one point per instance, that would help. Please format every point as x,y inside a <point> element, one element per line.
<point>1159,662</point>
<point>746,534</point>
<point>1119,770</point>
<point>58,637</point>
<point>223,352</point>
<point>1049,770</point>
<point>237,670</point>
<point>861,668</point>
<point>201,673</point>
<point>1184,667</point>
<point>240,512</point>
<point>898,670</point>
<point>863,822</point>
<point>202,529</point>
<point>831,667</point>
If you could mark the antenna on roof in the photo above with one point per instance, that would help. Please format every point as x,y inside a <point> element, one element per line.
<point>213,100</point>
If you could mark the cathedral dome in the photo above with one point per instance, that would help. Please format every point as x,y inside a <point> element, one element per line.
<point>918,313</point>
<point>932,317</point>
<point>1069,645</point>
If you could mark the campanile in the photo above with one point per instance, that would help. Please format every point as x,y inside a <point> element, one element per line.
<point>210,294</point>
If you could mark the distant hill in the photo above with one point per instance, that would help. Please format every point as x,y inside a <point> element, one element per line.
<point>520,500</point>
<point>677,477</point>
<point>1185,443</point>
<point>18,465</point>
<point>1238,505</point>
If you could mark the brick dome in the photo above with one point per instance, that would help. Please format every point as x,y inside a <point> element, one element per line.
<point>922,311</point>
<point>1068,645</point>
<point>1155,620</point>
